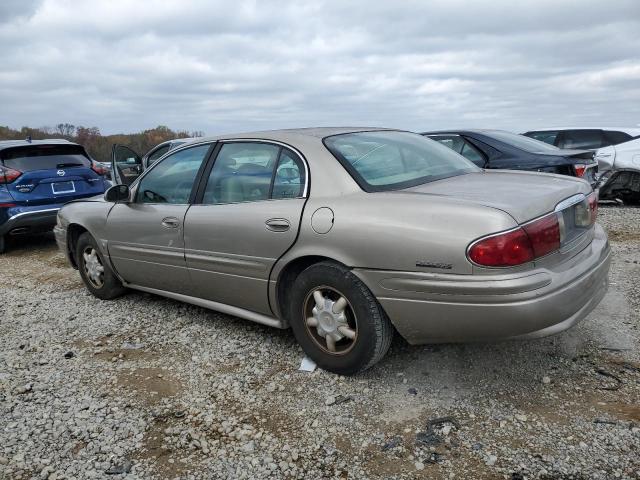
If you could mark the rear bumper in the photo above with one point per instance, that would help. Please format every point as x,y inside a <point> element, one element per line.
<point>29,220</point>
<point>431,308</point>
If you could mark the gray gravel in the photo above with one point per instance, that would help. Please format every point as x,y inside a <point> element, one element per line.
<point>144,387</point>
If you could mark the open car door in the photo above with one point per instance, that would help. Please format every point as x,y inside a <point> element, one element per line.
<point>126,165</point>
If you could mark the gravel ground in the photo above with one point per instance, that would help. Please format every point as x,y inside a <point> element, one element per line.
<point>144,387</point>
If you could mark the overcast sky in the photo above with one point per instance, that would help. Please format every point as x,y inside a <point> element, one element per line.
<point>128,65</point>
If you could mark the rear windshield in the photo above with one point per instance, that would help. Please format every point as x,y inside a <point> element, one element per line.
<point>45,157</point>
<point>520,141</point>
<point>386,160</point>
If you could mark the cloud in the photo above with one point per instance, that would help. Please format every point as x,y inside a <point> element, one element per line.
<point>216,66</point>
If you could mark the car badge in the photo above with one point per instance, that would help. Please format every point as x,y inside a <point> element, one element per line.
<point>61,173</point>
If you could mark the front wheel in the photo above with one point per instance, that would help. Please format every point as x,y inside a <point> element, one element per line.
<point>96,274</point>
<point>337,321</point>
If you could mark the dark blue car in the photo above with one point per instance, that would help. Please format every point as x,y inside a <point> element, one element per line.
<point>38,177</point>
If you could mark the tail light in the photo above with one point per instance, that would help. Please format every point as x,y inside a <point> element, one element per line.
<point>534,239</point>
<point>8,175</point>
<point>587,211</point>
<point>518,246</point>
<point>98,169</point>
<point>580,169</point>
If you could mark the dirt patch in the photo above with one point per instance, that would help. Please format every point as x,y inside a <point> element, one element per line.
<point>149,385</point>
<point>123,354</point>
<point>623,236</point>
<point>163,460</point>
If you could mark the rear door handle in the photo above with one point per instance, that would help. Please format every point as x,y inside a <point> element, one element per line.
<point>170,222</point>
<point>278,224</point>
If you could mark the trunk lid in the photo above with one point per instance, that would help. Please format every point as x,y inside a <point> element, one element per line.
<point>523,195</point>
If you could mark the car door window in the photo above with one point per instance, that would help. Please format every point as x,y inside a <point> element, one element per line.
<point>472,153</point>
<point>126,163</point>
<point>546,136</point>
<point>290,178</point>
<point>242,172</point>
<point>171,180</point>
<point>153,158</point>
<point>454,142</point>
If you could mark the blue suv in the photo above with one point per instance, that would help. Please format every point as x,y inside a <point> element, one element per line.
<point>38,177</point>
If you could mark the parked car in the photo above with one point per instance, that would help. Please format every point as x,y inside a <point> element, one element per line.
<point>128,165</point>
<point>506,150</point>
<point>37,177</point>
<point>346,235</point>
<point>620,171</point>
<point>584,138</point>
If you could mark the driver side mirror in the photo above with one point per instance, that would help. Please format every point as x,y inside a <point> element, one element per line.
<point>117,193</point>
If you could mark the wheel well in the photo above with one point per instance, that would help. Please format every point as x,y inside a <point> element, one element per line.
<point>73,233</point>
<point>288,275</point>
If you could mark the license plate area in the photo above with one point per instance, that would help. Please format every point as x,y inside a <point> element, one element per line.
<point>63,187</point>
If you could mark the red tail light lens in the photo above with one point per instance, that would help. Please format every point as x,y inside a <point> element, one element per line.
<point>544,235</point>
<point>98,169</point>
<point>503,250</point>
<point>519,246</point>
<point>8,175</point>
<point>579,169</point>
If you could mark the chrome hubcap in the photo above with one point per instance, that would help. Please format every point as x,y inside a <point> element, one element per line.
<point>93,267</point>
<point>330,320</point>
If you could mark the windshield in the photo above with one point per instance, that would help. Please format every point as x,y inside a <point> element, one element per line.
<point>520,141</point>
<point>389,160</point>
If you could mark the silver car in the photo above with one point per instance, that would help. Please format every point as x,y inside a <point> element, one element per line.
<point>347,235</point>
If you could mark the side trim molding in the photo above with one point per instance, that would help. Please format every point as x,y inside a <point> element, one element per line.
<point>219,307</point>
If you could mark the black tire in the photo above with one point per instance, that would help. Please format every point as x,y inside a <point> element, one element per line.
<point>3,244</point>
<point>111,287</point>
<point>374,330</point>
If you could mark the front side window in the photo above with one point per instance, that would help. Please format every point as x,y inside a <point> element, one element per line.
<point>388,160</point>
<point>171,180</point>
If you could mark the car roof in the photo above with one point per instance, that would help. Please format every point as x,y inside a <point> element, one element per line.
<point>634,131</point>
<point>4,144</point>
<point>291,134</point>
<point>485,131</point>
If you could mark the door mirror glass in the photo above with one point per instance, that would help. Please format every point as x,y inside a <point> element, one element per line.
<point>117,193</point>
<point>126,164</point>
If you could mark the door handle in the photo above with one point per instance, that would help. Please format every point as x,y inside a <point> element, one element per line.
<point>170,222</point>
<point>278,224</point>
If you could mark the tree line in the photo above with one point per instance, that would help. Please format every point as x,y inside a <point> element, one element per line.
<point>98,146</point>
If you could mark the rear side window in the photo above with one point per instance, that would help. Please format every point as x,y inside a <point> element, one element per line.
<point>546,136</point>
<point>45,157</point>
<point>577,139</point>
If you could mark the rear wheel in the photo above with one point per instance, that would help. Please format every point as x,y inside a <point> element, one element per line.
<point>337,321</point>
<point>96,274</point>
